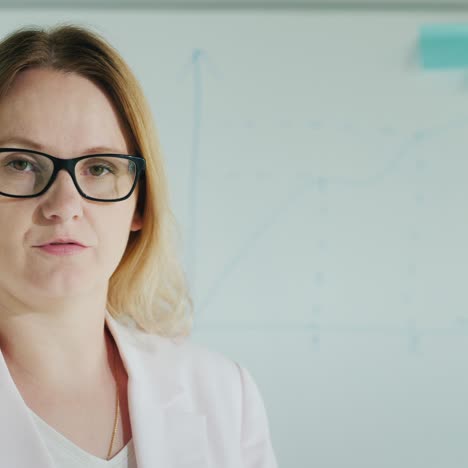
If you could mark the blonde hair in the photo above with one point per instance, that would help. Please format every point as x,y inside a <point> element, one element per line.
<point>149,285</point>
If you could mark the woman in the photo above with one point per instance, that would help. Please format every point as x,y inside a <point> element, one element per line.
<point>95,361</point>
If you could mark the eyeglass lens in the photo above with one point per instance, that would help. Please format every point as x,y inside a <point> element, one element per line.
<point>102,177</point>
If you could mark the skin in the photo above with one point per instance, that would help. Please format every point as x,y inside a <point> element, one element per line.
<point>52,309</point>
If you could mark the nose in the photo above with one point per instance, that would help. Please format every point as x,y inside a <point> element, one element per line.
<point>62,199</point>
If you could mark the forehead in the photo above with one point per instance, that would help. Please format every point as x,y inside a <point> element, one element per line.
<point>62,112</point>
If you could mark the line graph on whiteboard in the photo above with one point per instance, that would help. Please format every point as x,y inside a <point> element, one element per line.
<point>387,209</point>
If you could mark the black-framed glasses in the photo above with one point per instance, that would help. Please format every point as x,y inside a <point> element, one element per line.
<point>102,177</point>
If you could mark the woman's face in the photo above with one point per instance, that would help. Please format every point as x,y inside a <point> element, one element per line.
<point>66,115</point>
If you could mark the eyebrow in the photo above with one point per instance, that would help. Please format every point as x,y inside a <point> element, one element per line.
<point>7,142</point>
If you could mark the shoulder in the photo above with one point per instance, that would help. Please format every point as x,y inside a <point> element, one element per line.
<point>219,382</point>
<point>211,381</point>
<point>214,385</point>
<point>196,363</point>
<point>227,393</point>
<point>201,370</point>
<point>189,360</point>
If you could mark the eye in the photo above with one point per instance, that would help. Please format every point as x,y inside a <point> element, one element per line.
<point>101,166</point>
<point>12,163</point>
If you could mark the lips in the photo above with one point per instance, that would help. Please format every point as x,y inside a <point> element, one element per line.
<point>62,250</point>
<point>61,241</point>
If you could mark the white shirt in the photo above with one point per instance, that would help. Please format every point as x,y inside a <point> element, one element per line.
<point>66,454</point>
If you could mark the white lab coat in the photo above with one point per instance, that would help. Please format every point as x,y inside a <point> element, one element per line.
<point>189,408</point>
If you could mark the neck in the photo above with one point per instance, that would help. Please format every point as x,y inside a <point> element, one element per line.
<point>47,364</point>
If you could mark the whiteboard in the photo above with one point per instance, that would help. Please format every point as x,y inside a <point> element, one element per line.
<point>320,177</point>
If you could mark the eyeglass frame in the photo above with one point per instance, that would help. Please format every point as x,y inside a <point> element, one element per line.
<point>69,166</point>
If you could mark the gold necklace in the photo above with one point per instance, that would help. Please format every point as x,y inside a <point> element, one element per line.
<point>116,420</point>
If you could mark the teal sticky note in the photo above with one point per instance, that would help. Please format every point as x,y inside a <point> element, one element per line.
<point>444,46</point>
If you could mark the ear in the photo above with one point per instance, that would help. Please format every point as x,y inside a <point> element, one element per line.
<point>137,222</point>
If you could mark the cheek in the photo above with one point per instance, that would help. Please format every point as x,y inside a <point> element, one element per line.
<point>13,252</point>
<point>15,237</point>
<point>114,235</point>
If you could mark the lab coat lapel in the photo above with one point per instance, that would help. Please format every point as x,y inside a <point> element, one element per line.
<point>20,443</point>
<point>167,432</point>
